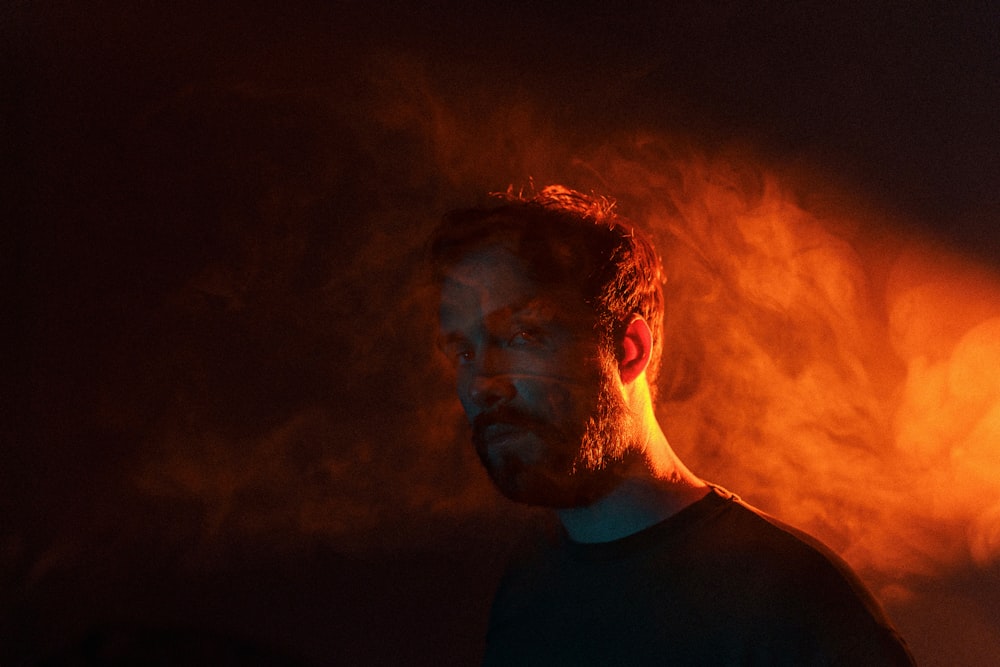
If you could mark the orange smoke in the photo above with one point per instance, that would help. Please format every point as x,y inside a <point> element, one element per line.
<point>945,325</point>
<point>855,395</point>
<point>846,370</point>
<point>780,326</point>
<point>819,362</point>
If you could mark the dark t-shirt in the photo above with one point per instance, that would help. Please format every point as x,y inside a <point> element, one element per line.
<point>719,583</point>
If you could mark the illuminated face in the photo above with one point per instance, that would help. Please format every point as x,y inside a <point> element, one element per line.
<point>547,417</point>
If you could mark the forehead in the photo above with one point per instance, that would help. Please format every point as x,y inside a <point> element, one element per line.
<point>494,280</point>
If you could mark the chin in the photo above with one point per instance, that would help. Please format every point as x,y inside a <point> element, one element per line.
<point>556,472</point>
<point>564,491</point>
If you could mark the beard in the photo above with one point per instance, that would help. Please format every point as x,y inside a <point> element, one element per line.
<point>569,467</point>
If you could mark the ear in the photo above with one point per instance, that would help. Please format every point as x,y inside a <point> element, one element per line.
<point>637,345</point>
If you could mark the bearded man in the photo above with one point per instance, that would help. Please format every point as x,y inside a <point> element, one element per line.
<point>551,312</point>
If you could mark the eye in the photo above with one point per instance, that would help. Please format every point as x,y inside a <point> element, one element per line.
<point>458,352</point>
<point>525,337</point>
<point>461,354</point>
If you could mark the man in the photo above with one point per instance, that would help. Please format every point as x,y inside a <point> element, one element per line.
<point>551,313</point>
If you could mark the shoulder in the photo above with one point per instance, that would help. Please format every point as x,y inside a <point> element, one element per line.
<point>719,579</point>
<point>758,551</point>
<point>783,582</point>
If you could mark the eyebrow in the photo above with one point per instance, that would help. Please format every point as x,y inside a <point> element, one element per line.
<point>532,309</point>
<point>445,340</point>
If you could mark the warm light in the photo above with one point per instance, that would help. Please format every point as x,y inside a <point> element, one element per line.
<point>848,380</point>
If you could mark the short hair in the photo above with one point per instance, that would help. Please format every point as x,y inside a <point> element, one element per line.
<point>567,237</point>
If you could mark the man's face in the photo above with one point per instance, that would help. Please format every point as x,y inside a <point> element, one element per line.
<point>544,404</point>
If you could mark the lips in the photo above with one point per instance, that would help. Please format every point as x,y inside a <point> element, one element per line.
<point>499,426</point>
<point>498,431</point>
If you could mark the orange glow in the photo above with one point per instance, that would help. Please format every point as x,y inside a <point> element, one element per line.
<point>847,370</point>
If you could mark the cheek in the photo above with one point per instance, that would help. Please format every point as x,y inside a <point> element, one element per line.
<point>463,385</point>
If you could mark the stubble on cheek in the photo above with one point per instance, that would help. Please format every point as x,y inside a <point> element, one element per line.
<point>542,428</point>
<point>561,450</point>
<point>607,437</point>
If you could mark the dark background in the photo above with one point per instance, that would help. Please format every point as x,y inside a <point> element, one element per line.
<point>228,436</point>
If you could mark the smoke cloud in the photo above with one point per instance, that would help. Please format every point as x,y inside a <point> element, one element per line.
<point>232,357</point>
<point>843,382</point>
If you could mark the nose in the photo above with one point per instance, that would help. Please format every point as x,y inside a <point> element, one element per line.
<point>487,391</point>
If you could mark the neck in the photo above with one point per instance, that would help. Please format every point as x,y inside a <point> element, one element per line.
<point>654,487</point>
